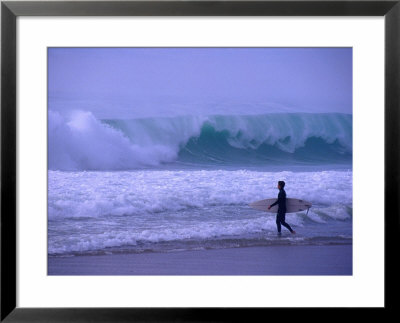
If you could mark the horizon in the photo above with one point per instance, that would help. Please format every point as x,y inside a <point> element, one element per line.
<point>158,82</point>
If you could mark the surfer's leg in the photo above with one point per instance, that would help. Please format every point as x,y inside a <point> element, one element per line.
<point>287,226</point>
<point>278,223</point>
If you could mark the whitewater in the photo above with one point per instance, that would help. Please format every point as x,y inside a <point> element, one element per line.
<point>185,182</point>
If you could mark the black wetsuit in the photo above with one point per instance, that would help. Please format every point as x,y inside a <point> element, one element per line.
<point>280,217</point>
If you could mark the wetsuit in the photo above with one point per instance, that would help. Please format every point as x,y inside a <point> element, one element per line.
<point>280,217</point>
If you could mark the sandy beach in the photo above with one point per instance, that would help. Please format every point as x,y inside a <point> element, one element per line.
<point>272,260</point>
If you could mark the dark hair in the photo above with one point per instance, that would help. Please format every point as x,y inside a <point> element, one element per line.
<point>281,184</point>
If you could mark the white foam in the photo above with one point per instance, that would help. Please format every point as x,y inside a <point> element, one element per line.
<point>96,210</point>
<point>94,194</point>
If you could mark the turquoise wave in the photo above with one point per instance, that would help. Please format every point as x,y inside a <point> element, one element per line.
<point>248,139</point>
<point>214,147</point>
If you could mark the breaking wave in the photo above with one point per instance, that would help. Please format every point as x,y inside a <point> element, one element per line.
<point>83,142</point>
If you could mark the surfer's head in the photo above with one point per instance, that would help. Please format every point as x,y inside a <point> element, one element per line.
<point>281,184</point>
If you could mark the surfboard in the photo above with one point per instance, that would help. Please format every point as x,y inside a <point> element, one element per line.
<point>292,205</point>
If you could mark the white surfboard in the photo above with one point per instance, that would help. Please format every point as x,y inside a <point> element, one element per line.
<point>292,205</point>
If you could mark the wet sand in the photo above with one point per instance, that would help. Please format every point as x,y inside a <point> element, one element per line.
<point>271,260</point>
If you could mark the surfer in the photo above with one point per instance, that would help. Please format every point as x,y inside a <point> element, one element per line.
<point>281,201</point>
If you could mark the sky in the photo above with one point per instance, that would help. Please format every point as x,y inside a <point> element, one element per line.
<point>146,82</point>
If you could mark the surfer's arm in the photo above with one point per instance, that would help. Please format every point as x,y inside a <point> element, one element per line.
<point>275,203</point>
<point>280,200</point>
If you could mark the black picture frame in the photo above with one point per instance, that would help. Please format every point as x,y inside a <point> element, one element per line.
<point>10,10</point>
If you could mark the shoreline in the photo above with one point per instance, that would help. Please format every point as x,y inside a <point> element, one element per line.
<point>270,260</point>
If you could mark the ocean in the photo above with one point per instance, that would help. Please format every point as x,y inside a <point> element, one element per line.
<point>168,184</point>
